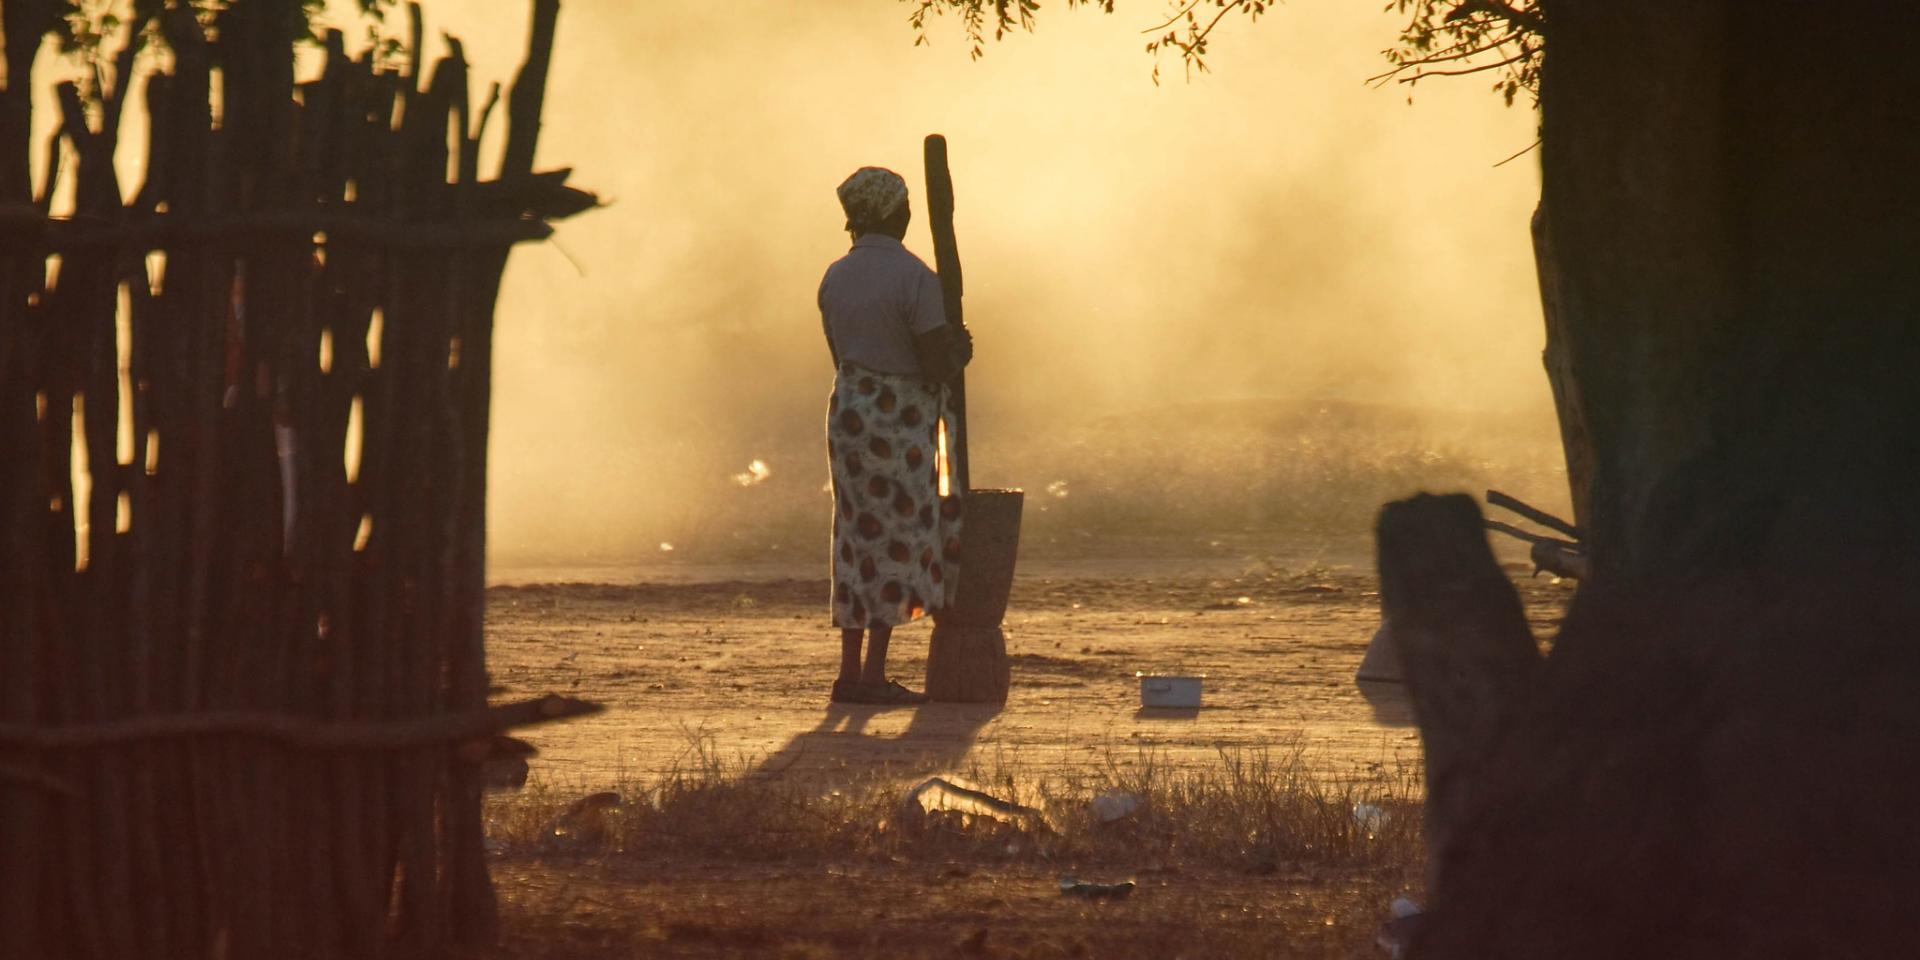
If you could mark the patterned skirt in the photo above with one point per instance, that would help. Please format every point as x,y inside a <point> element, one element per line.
<point>896,539</point>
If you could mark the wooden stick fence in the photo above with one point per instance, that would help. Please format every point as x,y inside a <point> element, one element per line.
<point>243,426</point>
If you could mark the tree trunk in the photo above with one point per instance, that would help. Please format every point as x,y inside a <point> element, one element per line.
<point>1715,759</point>
<point>1567,402</point>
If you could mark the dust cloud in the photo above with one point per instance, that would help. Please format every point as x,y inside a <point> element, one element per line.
<point>1275,229</point>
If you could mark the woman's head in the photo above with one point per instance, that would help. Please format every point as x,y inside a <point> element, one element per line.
<point>875,201</point>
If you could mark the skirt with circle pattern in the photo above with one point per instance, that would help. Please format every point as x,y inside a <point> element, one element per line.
<point>896,538</point>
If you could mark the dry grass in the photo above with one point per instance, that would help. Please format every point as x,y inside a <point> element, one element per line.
<point>1250,856</point>
<point>1259,811</point>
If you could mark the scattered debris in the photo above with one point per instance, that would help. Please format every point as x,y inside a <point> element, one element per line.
<point>941,807</point>
<point>756,473</point>
<point>585,820</point>
<point>1069,887</point>
<point>1113,804</point>
<point>941,803</point>
<point>502,760</point>
<point>1369,816</point>
<point>1397,933</point>
<point>1160,690</point>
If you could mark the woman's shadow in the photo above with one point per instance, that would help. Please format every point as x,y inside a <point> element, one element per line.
<point>936,739</point>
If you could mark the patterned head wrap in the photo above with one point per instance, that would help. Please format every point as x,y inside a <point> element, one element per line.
<point>872,195</point>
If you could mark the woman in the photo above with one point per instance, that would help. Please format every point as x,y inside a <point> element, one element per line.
<point>896,545</point>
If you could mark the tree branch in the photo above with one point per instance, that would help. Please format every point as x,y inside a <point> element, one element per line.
<point>1451,53</point>
<point>1464,49</point>
<point>1516,58</point>
<point>1524,19</point>
<point>1178,15</point>
<point>1517,154</point>
<point>1197,37</point>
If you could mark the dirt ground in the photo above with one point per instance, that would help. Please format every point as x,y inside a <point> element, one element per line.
<point>579,910</point>
<point>740,659</point>
<point>746,664</point>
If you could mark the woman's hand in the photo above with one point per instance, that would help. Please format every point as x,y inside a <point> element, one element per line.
<point>942,352</point>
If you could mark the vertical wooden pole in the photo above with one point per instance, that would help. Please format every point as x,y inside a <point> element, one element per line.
<point>946,260</point>
<point>967,654</point>
<point>23,501</point>
<point>22,497</point>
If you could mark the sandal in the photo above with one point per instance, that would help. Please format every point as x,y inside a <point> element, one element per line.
<point>890,693</point>
<point>894,692</point>
<point>846,691</point>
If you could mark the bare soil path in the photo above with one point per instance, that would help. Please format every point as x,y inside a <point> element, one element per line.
<point>743,664</point>
<point>737,661</point>
<point>579,910</point>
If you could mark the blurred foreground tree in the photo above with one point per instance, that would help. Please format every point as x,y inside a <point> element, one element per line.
<point>243,696</point>
<point>1716,757</point>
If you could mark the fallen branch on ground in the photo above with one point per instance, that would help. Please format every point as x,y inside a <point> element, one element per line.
<point>36,777</point>
<point>309,733</point>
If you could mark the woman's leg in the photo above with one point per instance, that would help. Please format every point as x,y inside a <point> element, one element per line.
<point>877,636</point>
<point>849,656</point>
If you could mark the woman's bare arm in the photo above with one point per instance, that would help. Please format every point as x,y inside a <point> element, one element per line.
<point>943,352</point>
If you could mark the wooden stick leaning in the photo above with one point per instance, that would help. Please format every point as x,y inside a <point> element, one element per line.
<point>1527,535</point>
<point>967,652</point>
<point>946,262</point>
<point>1562,558</point>
<point>1537,515</point>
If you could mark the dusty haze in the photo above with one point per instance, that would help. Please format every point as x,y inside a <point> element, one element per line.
<point>1276,229</point>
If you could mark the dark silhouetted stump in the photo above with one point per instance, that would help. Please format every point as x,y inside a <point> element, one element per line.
<point>1381,663</point>
<point>967,655</point>
<point>1461,637</point>
<point>1705,766</point>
